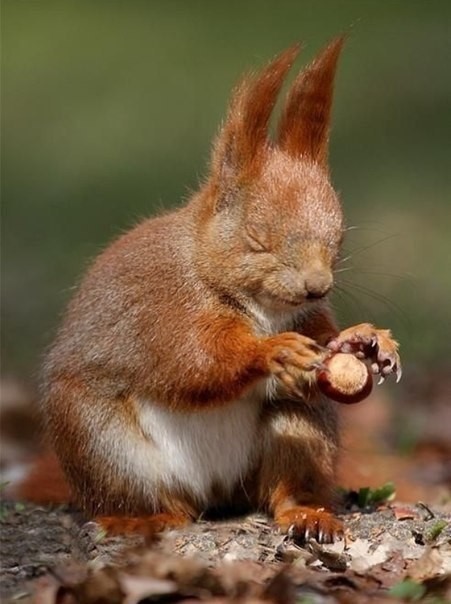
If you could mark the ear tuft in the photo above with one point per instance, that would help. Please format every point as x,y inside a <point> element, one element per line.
<point>243,140</point>
<point>305,122</point>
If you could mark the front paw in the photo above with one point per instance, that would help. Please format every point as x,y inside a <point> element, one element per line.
<point>291,358</point>
<point>304,523</point>
<point>368,342</point>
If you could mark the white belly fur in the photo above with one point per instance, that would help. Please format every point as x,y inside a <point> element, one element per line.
<point>199,449</point>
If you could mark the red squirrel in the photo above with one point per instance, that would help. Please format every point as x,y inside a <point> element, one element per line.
<point>183,375</point>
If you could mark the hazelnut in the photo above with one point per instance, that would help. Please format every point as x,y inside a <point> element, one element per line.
<point>345,379</point>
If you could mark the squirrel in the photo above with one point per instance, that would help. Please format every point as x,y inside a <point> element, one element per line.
<point>182,378</point>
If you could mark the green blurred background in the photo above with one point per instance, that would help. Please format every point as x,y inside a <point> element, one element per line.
<point>109,108</point>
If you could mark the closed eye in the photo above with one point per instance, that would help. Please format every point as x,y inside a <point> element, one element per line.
<point>255,244</point>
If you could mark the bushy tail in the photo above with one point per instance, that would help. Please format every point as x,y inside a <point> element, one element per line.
<point>43,483</point>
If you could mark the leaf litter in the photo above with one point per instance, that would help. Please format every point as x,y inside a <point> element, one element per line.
<point>393,552</point>
<point>49,556</point>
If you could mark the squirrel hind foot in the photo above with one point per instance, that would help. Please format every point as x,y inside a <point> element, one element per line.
<point>305,523</point>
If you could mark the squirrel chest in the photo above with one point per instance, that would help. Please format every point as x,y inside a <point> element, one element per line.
<point>212,447</point>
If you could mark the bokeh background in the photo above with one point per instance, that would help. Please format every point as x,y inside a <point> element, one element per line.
<point>109,108</point>
<point>108,112</point>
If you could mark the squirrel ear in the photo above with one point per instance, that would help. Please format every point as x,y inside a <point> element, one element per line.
<point>243,140</point>
<point>305,121</point>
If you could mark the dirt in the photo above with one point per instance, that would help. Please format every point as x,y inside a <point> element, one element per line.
<point>394,552</point>
<point>53,556</point>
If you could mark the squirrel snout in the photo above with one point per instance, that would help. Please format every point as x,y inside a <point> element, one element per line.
<point>306,285</point>
<point>318,283</point>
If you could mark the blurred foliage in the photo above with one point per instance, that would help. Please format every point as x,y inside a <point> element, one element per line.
<point>109,107</point>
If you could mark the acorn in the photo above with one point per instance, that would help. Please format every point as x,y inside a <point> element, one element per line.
<point>345,378</point>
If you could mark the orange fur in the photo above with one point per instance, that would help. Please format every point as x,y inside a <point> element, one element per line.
<point>311,523</point>
<point>182,375</point>
<point>242,143</point>
<point>304,126</point>
<point>46,482</point>
<point>147,526</point>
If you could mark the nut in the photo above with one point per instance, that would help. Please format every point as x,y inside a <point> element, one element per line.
<point>345,379</point>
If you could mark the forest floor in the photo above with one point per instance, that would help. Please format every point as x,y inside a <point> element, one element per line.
<point>48,557</point>
<point>396,548</point>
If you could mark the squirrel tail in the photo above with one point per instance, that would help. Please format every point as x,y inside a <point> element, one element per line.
<point>44,482</point>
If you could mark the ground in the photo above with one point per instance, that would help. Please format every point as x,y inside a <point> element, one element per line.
<point>52,556</point>
<point>397,548</point>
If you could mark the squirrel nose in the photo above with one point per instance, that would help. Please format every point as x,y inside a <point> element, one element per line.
<point>318,283</point>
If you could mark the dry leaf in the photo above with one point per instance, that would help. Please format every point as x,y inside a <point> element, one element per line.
<point>138,588</point>
<point>431,564</point>
<point>44,590</point>
<point>332,557</point>
<point>364,555</point>
<point>404,512</point>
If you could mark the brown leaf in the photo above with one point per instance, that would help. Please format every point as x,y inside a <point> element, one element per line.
<point>101,586</point>
<point>333,560</point>
<point>428,566</point>
<point>243,578</point>
<point>404,512</point>
<point>138,588</point>
<point>281,589</point>
<point>44,590</point>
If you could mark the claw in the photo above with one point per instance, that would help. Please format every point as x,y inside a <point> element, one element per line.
<point>381,380</point>
<point>299,393</point>
<point>375,345</point>
<point>387,369</point>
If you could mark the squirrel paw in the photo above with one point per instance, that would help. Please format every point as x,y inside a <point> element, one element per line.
<point>290,356</point>
<point>367,342</point>
<point>304,523</point>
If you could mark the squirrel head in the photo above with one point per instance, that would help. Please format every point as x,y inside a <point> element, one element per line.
<point>270,222</point>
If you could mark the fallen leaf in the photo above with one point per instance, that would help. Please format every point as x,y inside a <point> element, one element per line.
<point>137,588</point>
<point>44,590</point>
<point>428,566</point>
<point>281,589</point>
<point>288,551</point>
<point>100,586</point>
<point>364,555</point>
<point>403,512</point>
<point>332,559</point>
